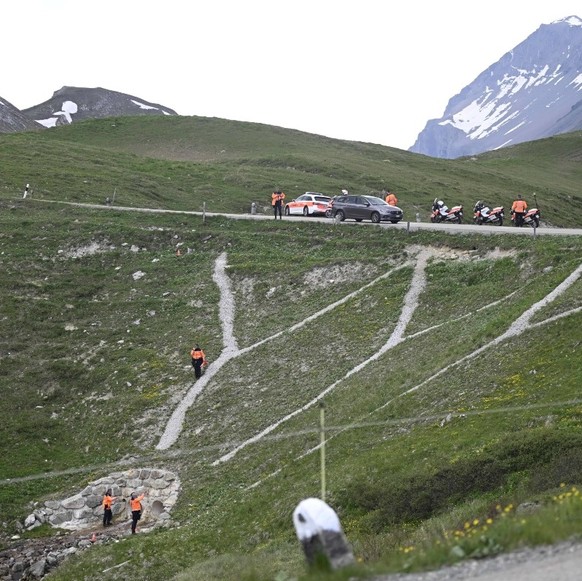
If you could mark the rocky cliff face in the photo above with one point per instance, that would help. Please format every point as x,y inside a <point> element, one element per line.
<point>532,92</point>
<point>12,120</point>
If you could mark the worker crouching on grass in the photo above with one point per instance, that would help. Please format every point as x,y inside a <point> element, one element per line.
<point>136,508</point>
<point>198,361</point>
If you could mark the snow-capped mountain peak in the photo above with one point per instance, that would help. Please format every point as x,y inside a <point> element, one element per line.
<point>533,91</point>
<point>571,20</point>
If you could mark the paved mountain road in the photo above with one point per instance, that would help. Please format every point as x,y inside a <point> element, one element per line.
<point>410,226</point>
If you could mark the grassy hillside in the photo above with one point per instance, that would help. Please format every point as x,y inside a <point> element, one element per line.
<point>185,162</point>
<point>443,416</point>
<point>429,435</point>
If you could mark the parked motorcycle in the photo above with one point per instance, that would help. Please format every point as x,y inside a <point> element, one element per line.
<point>482,214</point>
<point>441,212</point>
<point>531,218</point>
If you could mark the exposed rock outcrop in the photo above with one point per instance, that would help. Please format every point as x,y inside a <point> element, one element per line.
<point>83,510</point>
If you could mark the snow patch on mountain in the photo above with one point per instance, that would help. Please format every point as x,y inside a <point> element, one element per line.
<point>68,109</point>
<point>143,105</point>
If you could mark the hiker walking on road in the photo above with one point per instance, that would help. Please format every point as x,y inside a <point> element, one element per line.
<point>277,198</point>
<point>136,508</point>
<point>107,503</point>
<point>26,191</point>
<point>198,360</point>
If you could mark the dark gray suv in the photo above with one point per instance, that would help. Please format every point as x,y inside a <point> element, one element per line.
<point>361,208</point>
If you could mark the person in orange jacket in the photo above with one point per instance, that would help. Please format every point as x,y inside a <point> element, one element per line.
<point>518,209</point>
<point>391,198</point>
<point>198,360</point>
<point>108,500</point>
<point>277,198</point>
<point>136,508</point>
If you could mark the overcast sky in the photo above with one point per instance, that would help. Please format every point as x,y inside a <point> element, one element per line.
<point>365,70</point>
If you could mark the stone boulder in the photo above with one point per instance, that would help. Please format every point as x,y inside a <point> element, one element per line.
<point>318,528</point>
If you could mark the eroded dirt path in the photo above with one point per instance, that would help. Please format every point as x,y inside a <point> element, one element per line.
<point>417,285</point>
<point>520,325</point>
<point>410,303</point>
<point>230,348</point>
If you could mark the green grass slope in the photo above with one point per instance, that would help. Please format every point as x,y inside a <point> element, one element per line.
<point>189,162</point>
<point>426,442</point>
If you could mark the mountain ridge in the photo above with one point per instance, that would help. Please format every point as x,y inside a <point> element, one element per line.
<point>533,91</point>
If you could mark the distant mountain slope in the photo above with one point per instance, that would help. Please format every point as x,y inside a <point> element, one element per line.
<point>12,120</point>
<point>532,92</point>
<point>76,103</point>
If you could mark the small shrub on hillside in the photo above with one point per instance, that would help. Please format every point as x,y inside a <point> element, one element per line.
<point>534,460</point>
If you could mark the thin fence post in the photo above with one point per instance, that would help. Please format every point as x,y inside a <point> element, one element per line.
<point>408,226</point>
<point>204,212</point>
<point>322,447</point>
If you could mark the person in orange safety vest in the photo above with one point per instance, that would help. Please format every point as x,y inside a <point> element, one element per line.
<point>136,508</point>
<point>518,209</point>
<point>198,360</point>
<point>108,500</point>
<point>277,198</point>
<point>391,199</point>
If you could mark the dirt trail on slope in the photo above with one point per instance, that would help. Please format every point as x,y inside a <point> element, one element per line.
<point>519,326</point>
<point>410,304</point>
<point>230,350</point>
<point>418,282</point>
